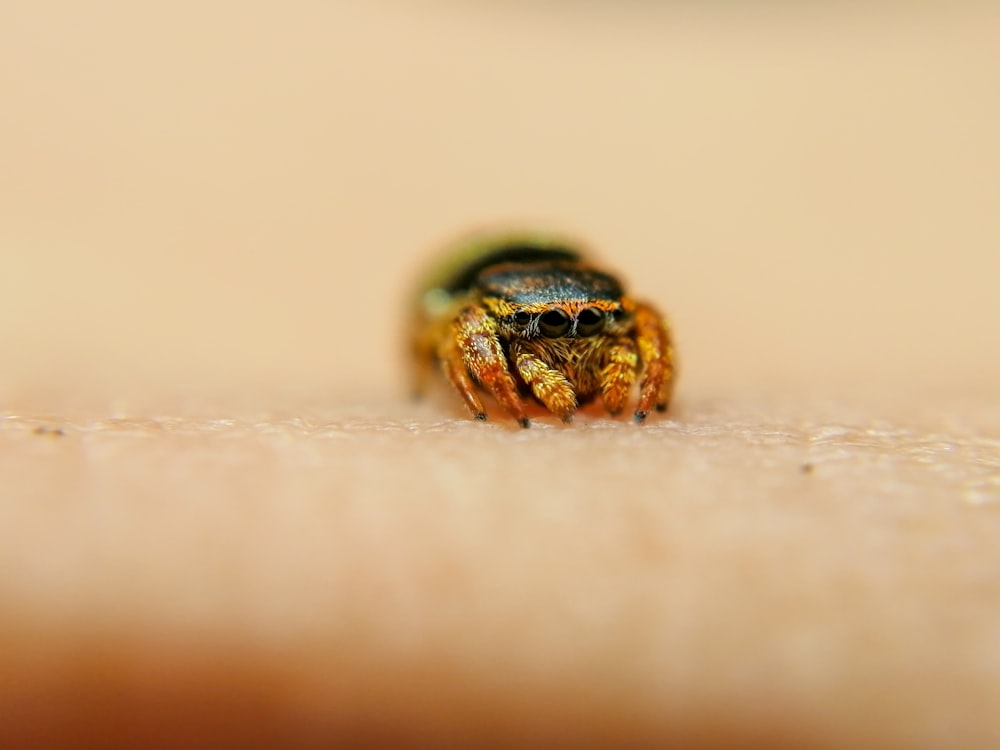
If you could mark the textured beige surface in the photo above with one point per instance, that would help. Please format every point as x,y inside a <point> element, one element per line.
<point>221,522</point>
<point>728,578</point>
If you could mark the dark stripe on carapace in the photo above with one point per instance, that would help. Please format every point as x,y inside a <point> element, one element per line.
<point>544,284</point>
<point>514,252</point>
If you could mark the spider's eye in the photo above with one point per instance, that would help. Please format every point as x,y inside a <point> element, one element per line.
<point>522,318</point>
<point>554,324</point>
<point>619,314</point>
<point>589,321</point>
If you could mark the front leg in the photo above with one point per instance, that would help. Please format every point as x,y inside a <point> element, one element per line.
<point>549,386</point>
<point>652,338</point>
<point>618,374</point>
<point>475,350</point>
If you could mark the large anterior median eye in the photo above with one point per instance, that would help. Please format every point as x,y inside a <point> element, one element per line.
<point>554,324</point>
<point>589,321</point>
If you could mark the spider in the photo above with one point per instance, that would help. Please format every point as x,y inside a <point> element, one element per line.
<point>523,315</point>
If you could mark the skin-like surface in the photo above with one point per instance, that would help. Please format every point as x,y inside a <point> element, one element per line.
<point>822,576</point>
<point>224,523</point>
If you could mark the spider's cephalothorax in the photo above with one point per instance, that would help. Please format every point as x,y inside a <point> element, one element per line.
<point>520,314</point>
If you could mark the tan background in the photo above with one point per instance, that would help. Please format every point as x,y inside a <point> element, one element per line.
<point>237,192</point>
<point>210,215</point>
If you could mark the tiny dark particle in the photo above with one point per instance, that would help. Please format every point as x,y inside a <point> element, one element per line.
<point>53,431</point>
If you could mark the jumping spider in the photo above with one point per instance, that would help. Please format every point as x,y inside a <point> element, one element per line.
<point>526,314</point>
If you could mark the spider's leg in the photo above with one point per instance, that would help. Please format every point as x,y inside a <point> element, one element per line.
<point>618,374</point>
<point>652,338</point>
<point>474,351</point>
